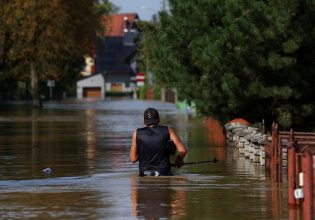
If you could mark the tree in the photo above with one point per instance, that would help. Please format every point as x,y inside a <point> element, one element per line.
<point>251,59</point>
<point>40,38</point>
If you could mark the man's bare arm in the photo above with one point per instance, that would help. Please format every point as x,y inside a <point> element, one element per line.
<point>133,150</point>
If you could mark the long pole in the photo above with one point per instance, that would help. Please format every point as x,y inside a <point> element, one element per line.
<point>198,162</point>
<point>206,161</point>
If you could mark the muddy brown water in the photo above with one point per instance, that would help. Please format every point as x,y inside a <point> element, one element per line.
<point>86,146</point>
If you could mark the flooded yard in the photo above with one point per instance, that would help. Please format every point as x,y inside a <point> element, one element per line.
<point>86,145</point>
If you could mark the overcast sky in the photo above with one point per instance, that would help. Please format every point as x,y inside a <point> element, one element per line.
<point>144,8</point>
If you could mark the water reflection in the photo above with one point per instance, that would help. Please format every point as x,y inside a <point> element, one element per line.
<point>87,146</point>
<point>155,198</point>
<point>276,199</point>
<point>34,139</point>
<point>295,213</point>
<point>90,136</point>
<point>48,205</point>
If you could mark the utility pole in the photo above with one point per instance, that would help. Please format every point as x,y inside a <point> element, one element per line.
<point>164,5</point>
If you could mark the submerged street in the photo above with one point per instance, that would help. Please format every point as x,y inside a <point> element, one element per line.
<point>86,146</point>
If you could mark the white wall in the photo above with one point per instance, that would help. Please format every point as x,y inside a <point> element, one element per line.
<point>93,81</point>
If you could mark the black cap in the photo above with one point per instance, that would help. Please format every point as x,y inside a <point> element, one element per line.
<point>151,116</point>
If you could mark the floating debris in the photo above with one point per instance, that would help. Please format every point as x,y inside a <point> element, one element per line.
<point>47,170</point>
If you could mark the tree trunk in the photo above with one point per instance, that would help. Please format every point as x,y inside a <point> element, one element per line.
<point>34,84</point>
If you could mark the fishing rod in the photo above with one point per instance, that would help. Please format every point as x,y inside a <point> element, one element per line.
<point>206,161</point>
<point>197,162</point>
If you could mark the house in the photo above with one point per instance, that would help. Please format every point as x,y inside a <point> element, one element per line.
<point>116,51</point>
<point>114,62</point>
<point>92,86</point>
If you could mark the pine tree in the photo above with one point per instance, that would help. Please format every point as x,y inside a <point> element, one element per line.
<point>239,58</point>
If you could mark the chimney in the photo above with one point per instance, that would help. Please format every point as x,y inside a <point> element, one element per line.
<point>126,24</point>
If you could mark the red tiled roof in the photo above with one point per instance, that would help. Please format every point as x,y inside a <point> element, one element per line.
<point>115,23</point>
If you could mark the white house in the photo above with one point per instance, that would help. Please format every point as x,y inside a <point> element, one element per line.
<point>91,87</point>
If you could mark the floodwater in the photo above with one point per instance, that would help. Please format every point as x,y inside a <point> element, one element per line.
<point>86,145</point>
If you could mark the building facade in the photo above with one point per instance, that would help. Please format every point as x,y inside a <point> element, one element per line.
<point>114,62</point>
<point>116,51</point>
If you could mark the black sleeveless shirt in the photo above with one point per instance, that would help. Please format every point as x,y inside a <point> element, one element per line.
<point>152,149</point>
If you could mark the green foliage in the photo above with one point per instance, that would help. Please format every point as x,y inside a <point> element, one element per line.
<point>142,92</point>
<point>157,92</point>
<point>104,7</point>
<point>48,31</point>
<point>42,40</point>
<point>238,58</point>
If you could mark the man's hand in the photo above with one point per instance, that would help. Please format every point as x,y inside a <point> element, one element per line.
<point>179,162</point>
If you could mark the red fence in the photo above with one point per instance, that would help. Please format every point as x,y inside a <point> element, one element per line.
<point>300,163</point>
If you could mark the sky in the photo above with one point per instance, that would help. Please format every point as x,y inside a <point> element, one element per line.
<point>144,8</point>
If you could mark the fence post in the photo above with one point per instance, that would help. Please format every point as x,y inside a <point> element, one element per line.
<point>279,157</point>
<point>297,170</point>
<point>313,165</point>
<point>307,170</point>
<point>291,170</point>
<point>273,140</point>
<point>275,154</point>
<point>267,156</point>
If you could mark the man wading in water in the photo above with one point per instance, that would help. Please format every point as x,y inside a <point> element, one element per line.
<point>150,146</point>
